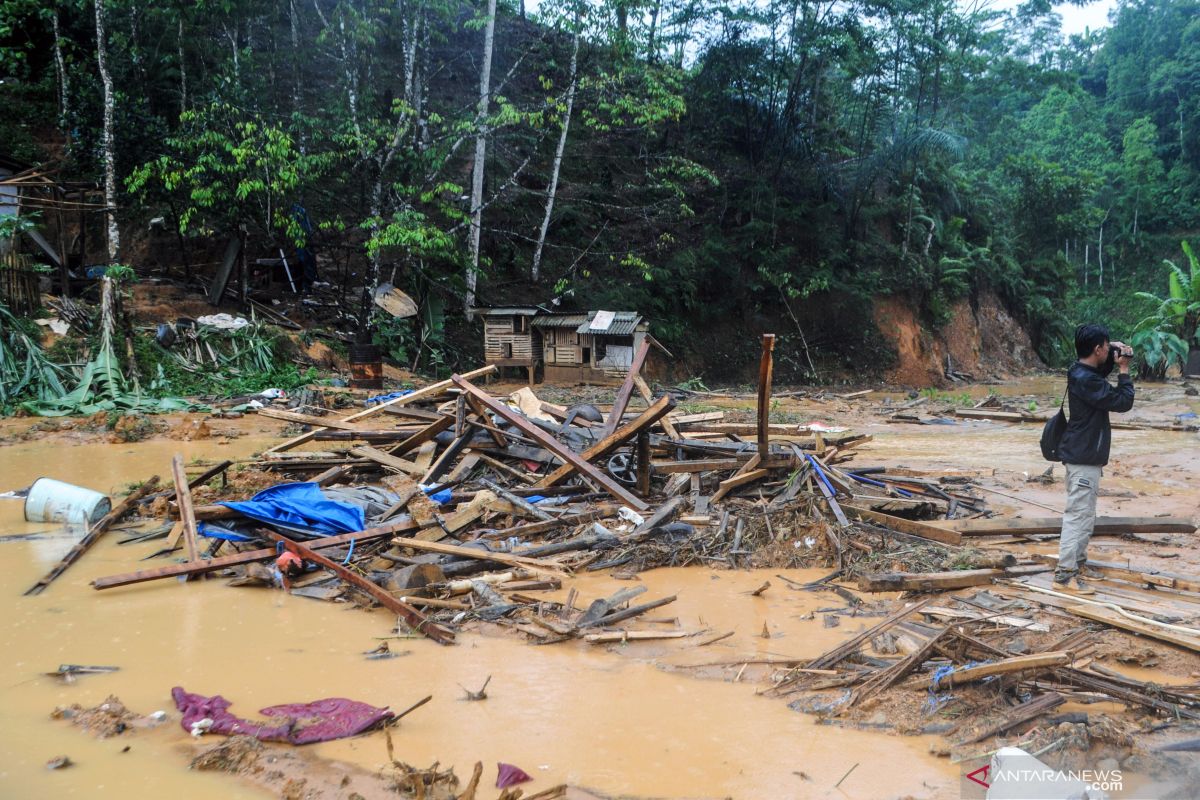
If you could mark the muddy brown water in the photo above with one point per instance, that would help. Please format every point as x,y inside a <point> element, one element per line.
<point>573,712</point>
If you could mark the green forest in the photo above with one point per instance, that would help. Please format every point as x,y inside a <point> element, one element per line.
<point>724,168</point>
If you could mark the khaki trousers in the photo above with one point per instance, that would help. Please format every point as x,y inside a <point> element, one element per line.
<point>1083,486</point>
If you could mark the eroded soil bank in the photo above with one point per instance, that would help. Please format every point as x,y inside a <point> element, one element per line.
<point>649,719</point>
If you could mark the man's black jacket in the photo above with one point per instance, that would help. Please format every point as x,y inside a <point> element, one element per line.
<point>1091,397</point>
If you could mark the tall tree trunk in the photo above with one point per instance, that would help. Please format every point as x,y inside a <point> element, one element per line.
<point>110,167</point>
<point>558,157</point>
<point>294,22</point>
<point>485,83</point>
<point>60,66</point>
<point>183,92</point>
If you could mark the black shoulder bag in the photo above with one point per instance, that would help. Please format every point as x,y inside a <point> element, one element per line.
<point>1056,426</point>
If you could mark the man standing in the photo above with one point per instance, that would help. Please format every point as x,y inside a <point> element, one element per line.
<point>1085,443</point>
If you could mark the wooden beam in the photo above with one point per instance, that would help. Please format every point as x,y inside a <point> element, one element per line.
<point>214,564</point>
<point>553,445</point>
<point>187,512</point>
<point>766,369</point>
<point>1006,666</point>
<point>1052,525</point>
<point>508,559</point>
<point>613,440</point>
<point>1016,715</point>
<point>499,438</point>
<point>306,419</point>
<point>926,581</point>
<point>538,528</point>
<point>387,460</point>
<point>413,618</point>
<point>643,388</point>
<point>93,535</point>
<point>626,391</point>
<point>697,465</point>
<point>921,530</point>
<point>741,479</point>
<point>420,394</point>
<point>1110,617</point>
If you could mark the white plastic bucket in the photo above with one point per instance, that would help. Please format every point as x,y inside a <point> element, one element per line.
<point>54,501</point>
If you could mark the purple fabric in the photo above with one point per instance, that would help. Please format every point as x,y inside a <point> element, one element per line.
<point>296,723</point>
<point>508,775</point>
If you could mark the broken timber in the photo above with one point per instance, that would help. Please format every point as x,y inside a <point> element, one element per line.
<point>626,391</point>
<point>553,445</point>
<point>413,618</point>
<point>766,367</point>
<point>214,564</point>
<point>921,530</point>
<point>926,581</point>
<point>1052,525</point>
<point>419,394</point>
<point>613,440</point>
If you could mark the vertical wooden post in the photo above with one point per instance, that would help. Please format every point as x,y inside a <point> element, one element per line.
<point>187,514</point>
<point>766,368</point>
<point>643,463</point>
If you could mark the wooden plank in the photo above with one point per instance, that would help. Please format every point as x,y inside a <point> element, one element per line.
<point>1052,525</point>
<point>666,422</point>
<point>306,419</point>
<point>634,636</point>
<point>1013,717</point>
<point>467,513</point>
<point>387,460</point>
<point>443,462</point>
<point>187,512</point>
<point>1110,617</point>
<point>538,528</point>
<point>691,419</point>
<point>413,618</point>
<point>93,535</point>
<point>741,479</point>
<point>913,528</point>
<point>766,369</point>
<point>508,559</point>
<point>626,391</point>
<point>1145,575</point>
<point>1006,666</point>
<point>629,613</point>
<point>214,564</point>
<point>697,465</point>
<point>499,438</point>
<point>613,440</point>
<point>926,581</point>
<point>553,445</point>
<point>420,394</point>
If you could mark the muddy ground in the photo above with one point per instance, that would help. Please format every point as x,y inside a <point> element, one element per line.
<point>647,719</point>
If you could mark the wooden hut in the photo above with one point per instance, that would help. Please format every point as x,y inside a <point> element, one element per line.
<point>589,347</point>
<point>510,339</point>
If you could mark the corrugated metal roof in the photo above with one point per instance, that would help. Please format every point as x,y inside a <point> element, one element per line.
<point>508,311</point>
<point>624,323</point>
<point>559,320</point>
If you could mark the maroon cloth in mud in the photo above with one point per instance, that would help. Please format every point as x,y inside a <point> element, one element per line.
<point>296,723</point>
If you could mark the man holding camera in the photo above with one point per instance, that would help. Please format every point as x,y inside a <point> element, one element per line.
<point>1085,443</point>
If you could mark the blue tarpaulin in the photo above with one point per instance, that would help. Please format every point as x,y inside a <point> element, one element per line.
<point>301,507</point>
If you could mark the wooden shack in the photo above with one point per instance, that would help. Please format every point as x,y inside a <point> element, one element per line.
<point>591,347</point>
<point>510,339</point>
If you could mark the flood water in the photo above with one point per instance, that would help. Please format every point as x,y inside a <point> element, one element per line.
<point>616,721</point>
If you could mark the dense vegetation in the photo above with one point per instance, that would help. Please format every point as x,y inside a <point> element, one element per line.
<point>718,166</point>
